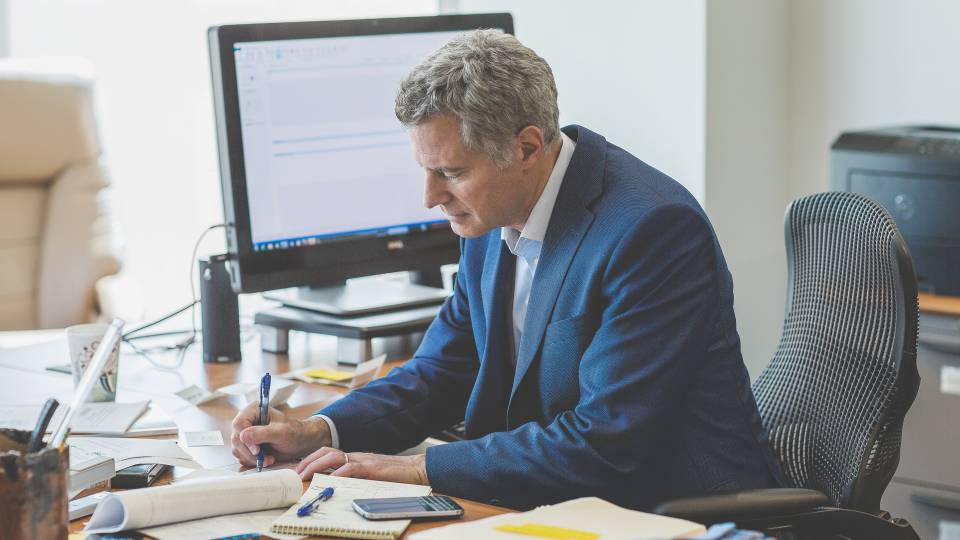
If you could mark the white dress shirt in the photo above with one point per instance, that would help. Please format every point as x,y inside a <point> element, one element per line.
<point>526,245</point>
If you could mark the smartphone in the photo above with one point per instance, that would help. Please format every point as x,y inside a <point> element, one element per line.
<point>407,507</point>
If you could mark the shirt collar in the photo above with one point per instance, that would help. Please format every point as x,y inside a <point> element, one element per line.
<point>535,229</point>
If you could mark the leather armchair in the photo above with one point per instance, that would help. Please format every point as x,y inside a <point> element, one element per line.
<point>56,237</point>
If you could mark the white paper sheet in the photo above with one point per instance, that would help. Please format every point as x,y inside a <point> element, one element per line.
<point>221,526</point>
<point>148,507</point>
<point>203,438</point>
<point>127,452</point>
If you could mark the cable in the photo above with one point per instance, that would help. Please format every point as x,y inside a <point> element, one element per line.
<point>182,346</point>
<point>158,321</point>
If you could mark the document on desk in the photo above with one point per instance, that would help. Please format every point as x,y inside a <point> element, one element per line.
<point>232,525</point>
<point>149,507</point>
<point>127,452</point>
<point>107,418</point>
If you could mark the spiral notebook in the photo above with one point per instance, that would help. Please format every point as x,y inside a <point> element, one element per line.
<point>335,517</point>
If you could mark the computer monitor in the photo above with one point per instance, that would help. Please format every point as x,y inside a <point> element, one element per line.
<point>318,177</point>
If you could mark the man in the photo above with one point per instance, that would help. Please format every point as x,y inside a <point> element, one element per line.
<point>590,343</point>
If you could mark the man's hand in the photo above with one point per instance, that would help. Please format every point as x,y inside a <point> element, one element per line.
<point>404,469</point>
<point>288,438</point>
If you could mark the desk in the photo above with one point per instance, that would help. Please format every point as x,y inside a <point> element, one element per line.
<point>24,380</point>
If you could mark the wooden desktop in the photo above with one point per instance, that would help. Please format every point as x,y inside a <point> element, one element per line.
<point>25,380</point>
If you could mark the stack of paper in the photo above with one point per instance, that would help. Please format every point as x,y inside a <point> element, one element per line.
<point>588,518</point>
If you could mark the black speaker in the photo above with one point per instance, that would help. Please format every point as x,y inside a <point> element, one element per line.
<point>220,311</point>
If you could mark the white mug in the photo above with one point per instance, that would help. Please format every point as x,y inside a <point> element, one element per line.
<point>82,342</point>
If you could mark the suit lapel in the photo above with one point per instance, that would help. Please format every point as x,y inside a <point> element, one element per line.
<point>569,222</point>
<point>496,293</point>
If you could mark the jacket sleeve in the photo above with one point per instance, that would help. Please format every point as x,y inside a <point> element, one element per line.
<point>423,396</point>
<point>660,289</point>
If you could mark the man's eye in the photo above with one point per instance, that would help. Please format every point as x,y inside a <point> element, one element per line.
<point>451,176</point>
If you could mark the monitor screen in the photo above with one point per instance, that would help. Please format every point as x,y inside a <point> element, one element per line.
<point>319,178</point>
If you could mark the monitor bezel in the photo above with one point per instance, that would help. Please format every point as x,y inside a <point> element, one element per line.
<point>326,263</point>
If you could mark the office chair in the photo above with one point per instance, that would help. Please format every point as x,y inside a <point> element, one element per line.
<point>57,242</point>
<point>834,396</point>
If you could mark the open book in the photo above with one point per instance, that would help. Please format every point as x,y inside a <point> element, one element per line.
<point>588,518</point>
<point>139,508</point>
<point>335,516</point>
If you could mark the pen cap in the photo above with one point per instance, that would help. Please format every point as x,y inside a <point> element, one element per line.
<point>33,489</point>
<point>219,311</point>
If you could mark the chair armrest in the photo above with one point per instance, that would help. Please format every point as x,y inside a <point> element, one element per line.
<point>739,505</point>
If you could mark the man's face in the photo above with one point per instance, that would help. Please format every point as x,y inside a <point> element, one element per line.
<point>474,194</point>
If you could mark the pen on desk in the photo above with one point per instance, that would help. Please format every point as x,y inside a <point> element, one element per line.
<point>264,413</point>
<point>306,509</point>
<point>46,414</point>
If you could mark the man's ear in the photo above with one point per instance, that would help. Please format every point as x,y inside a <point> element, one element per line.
<point>530,140</point>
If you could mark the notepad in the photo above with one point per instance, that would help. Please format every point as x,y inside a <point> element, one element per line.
<point>588,518</point>
<point>335,517</point>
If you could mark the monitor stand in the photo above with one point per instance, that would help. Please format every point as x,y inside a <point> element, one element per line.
<point>359,297</point>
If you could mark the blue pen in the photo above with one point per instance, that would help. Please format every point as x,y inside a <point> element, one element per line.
<point>306,509</point>
<point>264,413</point>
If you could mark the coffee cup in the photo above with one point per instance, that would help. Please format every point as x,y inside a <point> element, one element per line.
<point>82,342</point>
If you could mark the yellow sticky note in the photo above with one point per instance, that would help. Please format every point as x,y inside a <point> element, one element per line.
<point>548,531</point>
<point>329,374</point>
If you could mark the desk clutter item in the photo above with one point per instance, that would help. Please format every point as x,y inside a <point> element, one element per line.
<point>587,518</point>
<point>364,373</point>
<point>87,470</point>
<point>336,517</point>
<point>280,392</point>
<point>153,506</point>
<point>127,452</point>
<point>105,418</point>
<point>33,489</point>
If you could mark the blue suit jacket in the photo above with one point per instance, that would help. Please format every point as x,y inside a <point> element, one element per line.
<point>629,383</point>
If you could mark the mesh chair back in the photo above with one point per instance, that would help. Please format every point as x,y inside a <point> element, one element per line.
<point>844,374</point>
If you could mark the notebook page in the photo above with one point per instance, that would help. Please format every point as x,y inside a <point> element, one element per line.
<point>336,514</point>
<point>146,507</point>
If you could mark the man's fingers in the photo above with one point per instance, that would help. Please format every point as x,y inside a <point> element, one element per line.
<point>313,456</point>
<point>240,451</point>
<point>246,417</point>
<point>319,461</point>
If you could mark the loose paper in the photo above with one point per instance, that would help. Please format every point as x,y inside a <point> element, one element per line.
<point>950,380</point>
<point>127,452</point>
<point>203,438</point>
<point>364,373</point>
<point>221,526</point>
<point>280,392</point>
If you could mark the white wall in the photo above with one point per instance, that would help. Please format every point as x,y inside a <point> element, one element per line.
<point>863,64</point>
<point>746,161</point>
<point>631,71</point>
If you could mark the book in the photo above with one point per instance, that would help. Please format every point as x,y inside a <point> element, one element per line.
<point>587,518</point>
<point>335,516</point>
<point>148,507</point>
<point>88,469</point>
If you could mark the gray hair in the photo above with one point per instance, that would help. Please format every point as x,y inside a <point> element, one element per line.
<point>492,83</point>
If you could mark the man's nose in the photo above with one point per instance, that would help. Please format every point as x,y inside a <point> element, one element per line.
<point>434,191</point>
